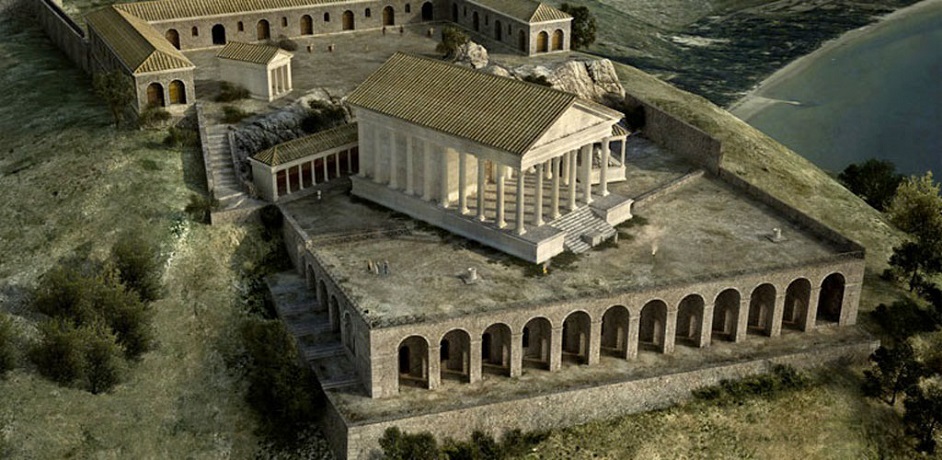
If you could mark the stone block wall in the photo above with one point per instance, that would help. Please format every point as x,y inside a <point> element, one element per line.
<point>678,136</point>
<point>64,32</point>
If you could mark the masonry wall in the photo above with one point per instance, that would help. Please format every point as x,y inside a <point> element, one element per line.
<point>64,32</point>
<point>568,408</point>
<point>680,137</point>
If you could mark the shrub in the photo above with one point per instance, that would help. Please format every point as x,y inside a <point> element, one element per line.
<point>229,92</point>
<point>117,90</point>
<point>152,115</point>
<point>200,207</point>
<point>181,137</point>
<point>323,116</point>
<point>86,356</point>
<point>583,25</point>
<point>138,264</point>
<point>272,221</point>
<point>286,43</point>
<point>7,356</point>
<point>452,38</point>
<point>874,180</point>
<point>231,114</point>
<point>779,378</point>
<point>397,445</point>
<point>538,80</point>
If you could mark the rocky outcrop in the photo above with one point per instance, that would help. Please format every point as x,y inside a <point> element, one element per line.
<point>471,55</point>
<point>593,79</point>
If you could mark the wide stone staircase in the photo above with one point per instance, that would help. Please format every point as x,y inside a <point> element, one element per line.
<point>318,343</point>
<point>582,225</point>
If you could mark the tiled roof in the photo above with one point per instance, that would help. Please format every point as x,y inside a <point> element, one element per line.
<point>161,10</point>
<point>524,10</point>
<point>498,112</point>
<point>246,52</point>
<point>141,48</point>
<point>619,131</point>
<point>308,145</point>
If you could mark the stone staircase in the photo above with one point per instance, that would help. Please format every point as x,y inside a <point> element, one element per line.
<point>227,184</point>
<point>579,223</point>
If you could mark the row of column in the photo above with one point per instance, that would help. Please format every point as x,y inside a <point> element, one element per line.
<point>280,78</point>
<point>313,172</point>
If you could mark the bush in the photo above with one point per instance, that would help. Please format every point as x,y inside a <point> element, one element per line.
<point>272,221</point>
<point>200,207</point>
<point>231,114</point>
<point>583,25</point>
<point>538,80</point>
<point>229,92</point>
<point>7,356</point>
<point>152,115</point>
<point>874,180</point>
<point>286,43</point>
<point>138,264</point>
<point>86,356</point>
<point>397,445</point>
<point>779,378</point>
<point>452,38</point>
<point>181,137</point>
<point>323,116</point>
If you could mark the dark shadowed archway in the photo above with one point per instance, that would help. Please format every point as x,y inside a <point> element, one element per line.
<point>797,297</point>
<point>689,321</point>
<point>761,306</point>
<point>653,326</point>
<point>454,353</point>
<point>615,331</point>
<point>576,329</point>
<point>173,37</point>
<point>219,34</point>
<point>726,315</point>
<point>537,343</point>
<point>262,30</point>
<point>831,299</point>
<point>413,362</point>
<point>495,349</point>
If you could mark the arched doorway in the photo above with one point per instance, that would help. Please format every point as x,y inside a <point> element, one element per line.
<point>155,95</point>
<point>476,21</point>
<point>542,42</point>
<point>498,30</point>
<point>455,357</point>
<point>653,326</point>
<point>726,315</point>
<point>495,349</point>
<point>796,304</point>
<point>522,41</point>
<point>428,11</point>
<point>761,306</point>
<point>349,23</point>
<point>219,34</point>
<point>615,331</point>
<point>173,37</point>
<point>177,92</point>
<point>831,299</point>
<point>537,343</point>
<point>262,30</point>
<point>558,40</point>
<point>389,16</point>
<point>576,329</point>
<point>689,321</point>
<point>307,25</point>
<point>413,362</point>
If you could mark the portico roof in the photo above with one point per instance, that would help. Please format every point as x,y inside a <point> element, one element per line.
<point>497,112</point>
<point>308,145</point>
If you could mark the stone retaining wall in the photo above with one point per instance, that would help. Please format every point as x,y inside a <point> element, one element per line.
<point>64,32</point>
<point>678,136</point>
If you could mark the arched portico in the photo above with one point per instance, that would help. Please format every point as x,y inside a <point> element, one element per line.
<point>797,298</point>
<point>495,349</point>
<point>761,309</point>
<point>831,299</point>
<point>455,356</point>
<point>653,327</point>
<point>413,362</point>
<point>537,343</point>
<point>576,333</point>
<point>615,331</point>
<point>690,321</point>
<point>726,315</point>
<point>334,307</point>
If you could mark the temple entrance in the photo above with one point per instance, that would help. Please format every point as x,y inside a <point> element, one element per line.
<point>307,25</point>
<point>219,34</point>
<point>389,16</point>
<point>349,23</point>
<point>155,95</point>
<point>262,30</point>
<point>173,37</point>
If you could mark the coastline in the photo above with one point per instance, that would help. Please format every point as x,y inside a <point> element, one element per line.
<point>754,101</point>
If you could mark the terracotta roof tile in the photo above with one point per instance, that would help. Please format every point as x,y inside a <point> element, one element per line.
<point>139,47</point>
<point>524,10</point>
<point>246,52</point>
<point>308,145</point>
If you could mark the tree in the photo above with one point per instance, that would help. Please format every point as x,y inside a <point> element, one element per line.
<point>917,209</point>
<point>88,357</point>
<point>397,445</point>
<point>895,371</point>
<point>116,90</point>
<point>452,38</point>
<point>583,26</point>
<point>874,180</point>
<point>923,415</point>
<point>904,318</point>
<point>138,265</point>
<point>7,356</point>
<point>912,261</point>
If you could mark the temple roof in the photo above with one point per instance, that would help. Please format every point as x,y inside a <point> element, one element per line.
<point>525,10</point>
<point>308,145</point>
<point>139,47</point>
<point>247,52</point>
<point>498,112</point>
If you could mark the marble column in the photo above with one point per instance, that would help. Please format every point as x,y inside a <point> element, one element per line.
<point>443,171</point>
<point>426,171</point>
<point>554,195</point>
<point>482,187</point>
<point>572,181</point>
<point>393,161</point>
<point>586,154</point>
<point>521,228</point>
<point>603,172</point>
<point>410,168</point>
<point>462,183</point>
<point>501,223</point>
<point>565,167</point>
<point>538,197</point>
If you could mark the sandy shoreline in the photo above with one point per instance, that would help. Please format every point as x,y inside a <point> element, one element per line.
<point>754,101</point>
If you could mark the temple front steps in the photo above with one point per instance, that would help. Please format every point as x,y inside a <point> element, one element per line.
<point>583,223</point>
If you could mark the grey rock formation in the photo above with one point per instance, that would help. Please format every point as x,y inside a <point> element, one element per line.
<point>472,55</point>
<point>593,79</point>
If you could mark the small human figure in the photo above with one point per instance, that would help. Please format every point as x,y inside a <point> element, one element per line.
<point>318,195</point>
<point>384,30</point>
<point>369,265</point>
<point>402,30</point>
<point>386,268</point>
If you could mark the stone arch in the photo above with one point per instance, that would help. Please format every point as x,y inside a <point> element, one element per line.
<point>177,92</point>
<point>537,343</point>
<point>408,8</point>
<point>389,16</point>
<point>195,31</point>
<point>455,355</point>
<point>726,315</point>
<point>155,95</point>
<point>495,349</point>
<point>310,277</point>
<point>412,363</point>
<point>284,21</point>
<point>347,336</point>
<point>262,30</point>
<point>476,21</point>
<point>797,298</point>
<point>498,30</point>
<point>326,17</point>
<point>522,40</point>
<point>542,42</point>
<point>653,325</point>
<point>219,34</point>
<point>558,40</point>
<point>334,307</point>
<point>689,320</point>
<point>831,299</point>
<point>307,25</point>
<point>173,37</point>
<point>615,323</point>
<point>428,11</point>
<point>761,308</point>
<point>576,330</point>
<point>349,22</point>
